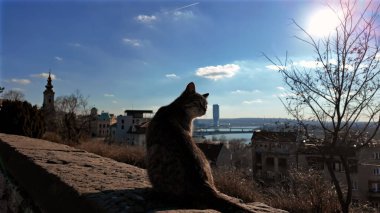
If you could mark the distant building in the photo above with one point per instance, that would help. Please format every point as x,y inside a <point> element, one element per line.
<point>215,114</point>
<point>101,123</point>
<point>275,153</point>
<point>48,107</point>
<point>235,155</point>
<point>130,128</point>
<point>48,104</point>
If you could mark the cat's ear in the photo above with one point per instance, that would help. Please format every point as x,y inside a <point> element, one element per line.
<point>190,88</point>
<point>205,95</point>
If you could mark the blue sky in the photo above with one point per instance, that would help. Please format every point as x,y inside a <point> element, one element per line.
<point>142,54</point>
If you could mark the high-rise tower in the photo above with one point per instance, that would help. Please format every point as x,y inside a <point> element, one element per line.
<point>215,114</point>
<point>48,105</point>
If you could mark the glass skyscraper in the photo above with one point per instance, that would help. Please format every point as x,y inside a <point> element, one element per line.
<point>215,114</point>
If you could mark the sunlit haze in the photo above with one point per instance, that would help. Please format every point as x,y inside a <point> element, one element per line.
<point>142,54</point>
<point>322,23</point>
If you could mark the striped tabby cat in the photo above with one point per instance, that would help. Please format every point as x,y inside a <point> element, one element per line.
<point>177,168</point>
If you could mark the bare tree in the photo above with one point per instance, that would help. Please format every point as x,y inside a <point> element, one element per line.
<point>13,95</point>
<point>72,117</point>
<point>1,89</point>
<point>341,95</point>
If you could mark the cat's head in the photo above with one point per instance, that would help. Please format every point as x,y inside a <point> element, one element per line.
<point>194,103</point>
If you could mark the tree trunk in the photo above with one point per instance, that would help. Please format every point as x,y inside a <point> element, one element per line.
<point>338,188</point>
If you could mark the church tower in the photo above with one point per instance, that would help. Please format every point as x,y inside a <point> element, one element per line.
<point>48,105</point>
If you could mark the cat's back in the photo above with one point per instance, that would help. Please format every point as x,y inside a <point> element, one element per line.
<point>161,127</point>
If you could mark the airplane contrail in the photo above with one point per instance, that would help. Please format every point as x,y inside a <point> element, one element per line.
<point>190,5</point>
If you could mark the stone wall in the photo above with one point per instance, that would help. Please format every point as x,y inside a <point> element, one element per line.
<point>50,177</point>
<point>12,199</point>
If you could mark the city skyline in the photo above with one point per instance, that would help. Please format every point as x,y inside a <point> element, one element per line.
<point>141,55</point>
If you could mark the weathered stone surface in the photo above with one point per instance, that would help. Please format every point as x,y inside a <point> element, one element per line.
<point>59,178</point>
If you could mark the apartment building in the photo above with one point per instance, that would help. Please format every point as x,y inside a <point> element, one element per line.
<point>130,128</point>
<point>367,182</point>
<point>100,123</point>
<point>275,153</point>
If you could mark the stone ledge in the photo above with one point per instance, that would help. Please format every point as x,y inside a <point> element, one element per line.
<point>59,178</point>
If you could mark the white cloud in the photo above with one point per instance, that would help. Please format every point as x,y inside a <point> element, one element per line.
<point>309,64</point>
<point>44,75</point>
<point>18,89</point>
<point>114,102</point>
<point>275,67</point>
<point>280,88</point>
<point>172,76</point>
<point>256,101</point>
<point>187,14</point>
<point>20,81</point>
<point>238,91</point>
<point>109,95</point>
<point>58,58</point>
<point>145,19</point>
<point>285,95</point>
<point>218,72</point>
<point>181,13</point>
<point>132,42</point>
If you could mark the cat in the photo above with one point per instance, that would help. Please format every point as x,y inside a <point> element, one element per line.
<point>177,168</point>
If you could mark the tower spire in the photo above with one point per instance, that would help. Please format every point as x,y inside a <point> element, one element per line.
<point>49,85</point>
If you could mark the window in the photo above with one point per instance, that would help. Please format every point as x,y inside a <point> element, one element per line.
<point>354,185</point>
<point>100,126</point>
<point>122,126</point>
<point>374,187</point>
<point>376,171</point>
<point>376,155</point>
<point>282,163</point>
<point>122,121</point>
<point>338,167</point>
<point>269,162</point>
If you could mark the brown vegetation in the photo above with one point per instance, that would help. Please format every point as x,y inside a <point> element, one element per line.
<point>235,183</point>
<point>133,155</point>
<point>302,191</point>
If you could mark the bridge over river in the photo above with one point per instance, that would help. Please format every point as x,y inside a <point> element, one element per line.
<point>199,132</point>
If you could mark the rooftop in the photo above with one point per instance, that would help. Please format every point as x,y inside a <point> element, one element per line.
<point>137,113</point>
<point>266,136</point>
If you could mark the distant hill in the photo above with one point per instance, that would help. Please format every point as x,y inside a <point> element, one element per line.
<point>242,121</point>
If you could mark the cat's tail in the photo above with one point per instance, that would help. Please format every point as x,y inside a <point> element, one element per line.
<point>224,203</point>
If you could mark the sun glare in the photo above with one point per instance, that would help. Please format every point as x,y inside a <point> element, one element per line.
<point>322,23</point>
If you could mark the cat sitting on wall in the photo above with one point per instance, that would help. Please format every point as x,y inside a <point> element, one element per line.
<point>177,168</point>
